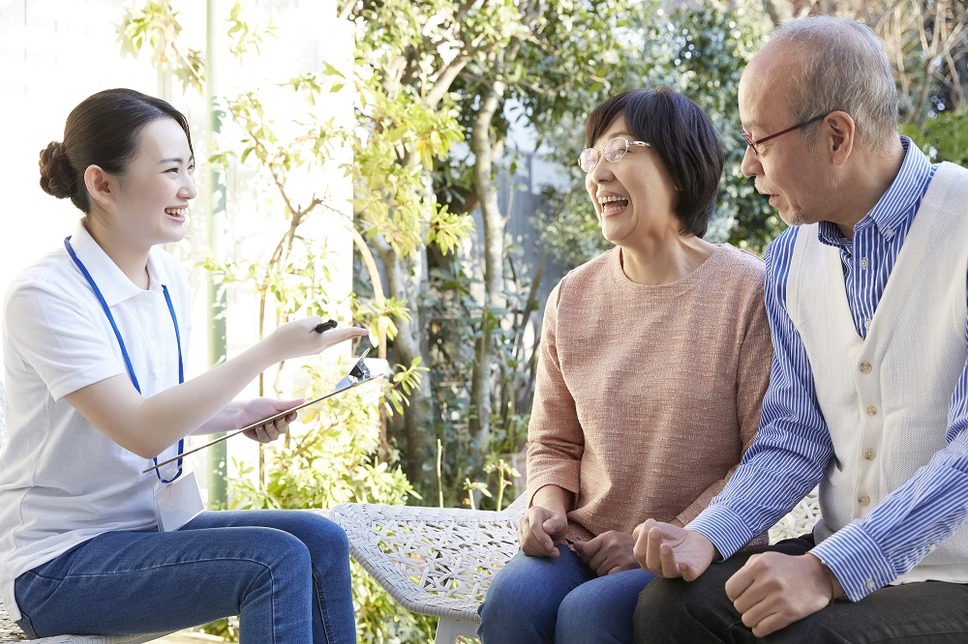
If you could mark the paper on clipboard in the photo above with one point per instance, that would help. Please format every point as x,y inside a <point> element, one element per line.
<point>357,376</point>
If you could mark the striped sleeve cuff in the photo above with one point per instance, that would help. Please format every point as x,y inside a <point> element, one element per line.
<point>856,560</point>
<point>723,527</point>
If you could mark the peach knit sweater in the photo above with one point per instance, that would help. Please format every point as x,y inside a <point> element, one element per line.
<point>647,396</point>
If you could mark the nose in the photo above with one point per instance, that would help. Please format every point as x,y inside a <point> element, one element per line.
<point>188,189</point>
<point>751,163</point>
<point>601,171</point>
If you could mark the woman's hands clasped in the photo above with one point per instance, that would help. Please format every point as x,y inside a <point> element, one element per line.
<point>607,553</point>
<point>539,530</point>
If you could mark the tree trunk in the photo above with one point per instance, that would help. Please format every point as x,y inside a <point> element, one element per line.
<point>493,229</point>
<point>406,278</point>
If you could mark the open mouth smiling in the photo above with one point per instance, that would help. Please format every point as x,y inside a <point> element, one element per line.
<point>612,204</point>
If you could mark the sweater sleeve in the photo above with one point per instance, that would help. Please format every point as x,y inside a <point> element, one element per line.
<point>555,437</point>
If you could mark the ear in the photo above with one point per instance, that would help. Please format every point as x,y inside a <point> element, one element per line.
<point>841,133</point>
<point>100,185</point>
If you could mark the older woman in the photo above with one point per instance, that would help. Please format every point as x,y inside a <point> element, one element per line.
<point>654,359</point>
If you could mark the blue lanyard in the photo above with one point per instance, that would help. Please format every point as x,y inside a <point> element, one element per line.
<point>124,350</point>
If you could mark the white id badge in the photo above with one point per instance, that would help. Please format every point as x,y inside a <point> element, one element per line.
<point>177,503</point>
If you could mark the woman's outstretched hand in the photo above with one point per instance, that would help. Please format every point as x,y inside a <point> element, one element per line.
<point>291,340</point>
<point>300,338</point>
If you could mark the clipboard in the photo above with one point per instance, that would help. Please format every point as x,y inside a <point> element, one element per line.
<point>357,376</point>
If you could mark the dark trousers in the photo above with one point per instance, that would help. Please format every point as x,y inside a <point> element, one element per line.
<point>676,611</point>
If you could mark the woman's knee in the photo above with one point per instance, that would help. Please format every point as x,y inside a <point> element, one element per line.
<point>511,613</point>
<point>522,601</point>
<point>601,609</point>
<point>332,535</point>
<point>282,548</point>
<point>507,593</point>
<point>257,562</point>
<point>318,533</point>
<point>578,621</point>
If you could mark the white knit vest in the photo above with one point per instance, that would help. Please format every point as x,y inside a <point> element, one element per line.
<point>885,398</point>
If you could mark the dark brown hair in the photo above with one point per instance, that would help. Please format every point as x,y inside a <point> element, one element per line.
<point>683,136</point>
<point>102,130</point>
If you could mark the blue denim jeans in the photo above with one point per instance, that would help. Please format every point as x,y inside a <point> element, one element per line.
<point>538,599</point>
<point>285,573</point>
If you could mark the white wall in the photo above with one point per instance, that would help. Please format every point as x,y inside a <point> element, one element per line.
<point>53,54</point>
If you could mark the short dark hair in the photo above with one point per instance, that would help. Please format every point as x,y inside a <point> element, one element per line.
<point>102,130</point>
<point>683,136</point>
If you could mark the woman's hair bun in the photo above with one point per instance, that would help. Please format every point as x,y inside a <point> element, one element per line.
<point>57,177</point>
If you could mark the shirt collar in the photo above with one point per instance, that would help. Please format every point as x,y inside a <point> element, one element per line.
<point>114,285</point>
<point>896,204</point>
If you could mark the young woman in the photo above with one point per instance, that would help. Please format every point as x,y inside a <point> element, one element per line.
<point>654,359</point>
<point>94,335</point>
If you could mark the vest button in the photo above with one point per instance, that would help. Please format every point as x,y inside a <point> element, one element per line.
<point>865,367</point>
<point>871,410</point>
<point>864,500</point>
<point>869,454</point>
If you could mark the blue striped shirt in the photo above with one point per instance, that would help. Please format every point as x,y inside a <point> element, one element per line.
<point>793,447</point>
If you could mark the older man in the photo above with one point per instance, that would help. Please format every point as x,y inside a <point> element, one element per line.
<point>867,296</point>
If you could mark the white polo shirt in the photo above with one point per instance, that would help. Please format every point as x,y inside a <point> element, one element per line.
<point>63,482</point>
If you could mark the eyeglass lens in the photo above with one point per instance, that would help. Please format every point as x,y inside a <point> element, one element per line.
<point>754,143</point>
<point>750,142</point>
<point>613,150</point>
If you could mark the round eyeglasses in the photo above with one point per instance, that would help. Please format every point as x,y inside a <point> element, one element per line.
<point>613,150</point>
<point>752,144</point>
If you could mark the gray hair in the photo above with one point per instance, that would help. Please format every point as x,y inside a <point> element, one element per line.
<point>844,68</point>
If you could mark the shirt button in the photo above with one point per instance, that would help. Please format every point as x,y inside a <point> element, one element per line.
<point>867,323</point>
<point>869,454</point>
<point>863,263</point>
<point>870,584</point>
<point>864,500</point>
<point>871,410</point>
<point>865,367</point>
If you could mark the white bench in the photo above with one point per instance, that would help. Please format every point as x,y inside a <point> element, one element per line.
<point>9,632</point>
<point>439,561</point>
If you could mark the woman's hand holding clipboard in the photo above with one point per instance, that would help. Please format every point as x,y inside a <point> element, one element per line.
<point>357,376</point>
